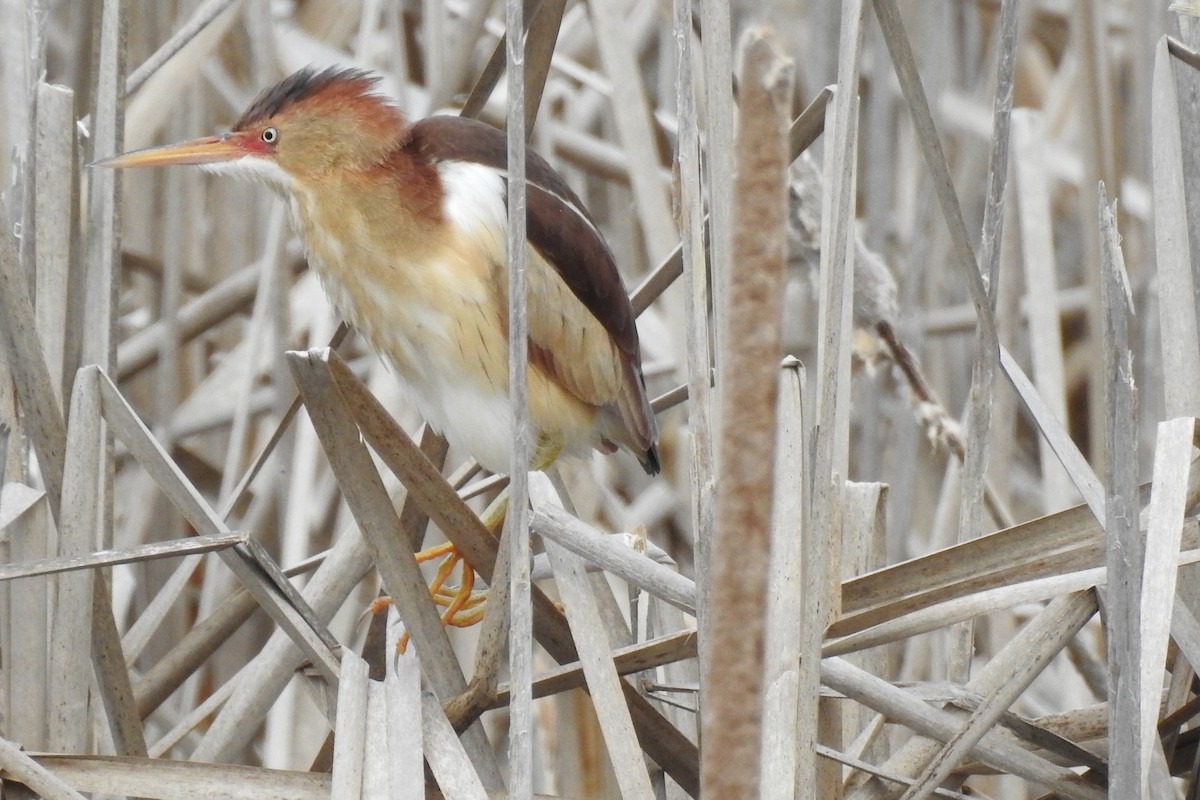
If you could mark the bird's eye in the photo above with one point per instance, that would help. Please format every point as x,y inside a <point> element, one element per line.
<point>270,135</point>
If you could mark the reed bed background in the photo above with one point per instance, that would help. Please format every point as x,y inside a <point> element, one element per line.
<point>921,323</point>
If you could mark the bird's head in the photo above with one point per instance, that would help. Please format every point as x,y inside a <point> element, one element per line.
<point>306,127</point>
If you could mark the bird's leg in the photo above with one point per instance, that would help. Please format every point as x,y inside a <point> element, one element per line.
<point>464,607</point>
<point>493,516</point>
<point>546,453</point>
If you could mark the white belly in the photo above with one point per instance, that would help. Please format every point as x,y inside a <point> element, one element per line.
<point>475,422</point>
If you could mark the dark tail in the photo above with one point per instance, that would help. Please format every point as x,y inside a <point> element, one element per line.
<point>650,461</point>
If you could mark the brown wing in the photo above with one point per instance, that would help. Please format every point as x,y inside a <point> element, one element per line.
<point>564,235</point>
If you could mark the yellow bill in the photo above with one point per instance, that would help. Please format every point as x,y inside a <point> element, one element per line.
<point>207,150</point>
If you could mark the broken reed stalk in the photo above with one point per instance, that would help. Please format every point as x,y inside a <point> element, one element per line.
<point>1125,544</point>
<point>731,696</point>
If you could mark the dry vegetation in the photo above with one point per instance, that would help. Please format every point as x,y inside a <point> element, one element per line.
<point>978,520</point>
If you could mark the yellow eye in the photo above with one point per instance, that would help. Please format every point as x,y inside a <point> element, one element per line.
<point>270,135</point>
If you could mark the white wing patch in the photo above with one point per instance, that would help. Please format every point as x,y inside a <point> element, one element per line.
<point>475,203</point>
<point>467,182</point>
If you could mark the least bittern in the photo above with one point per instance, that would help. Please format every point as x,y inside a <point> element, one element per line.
<point>406,226</point>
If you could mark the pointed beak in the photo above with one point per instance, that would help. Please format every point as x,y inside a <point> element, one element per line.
<point>208,150</point>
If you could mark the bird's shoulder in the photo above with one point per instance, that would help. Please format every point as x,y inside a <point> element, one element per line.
<point>446,137</point>
<point>558,225</point>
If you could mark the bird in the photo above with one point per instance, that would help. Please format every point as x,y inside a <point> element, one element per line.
<point>406,224</point>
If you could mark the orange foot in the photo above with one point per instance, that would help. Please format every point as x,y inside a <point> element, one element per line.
<point>464,607</point>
